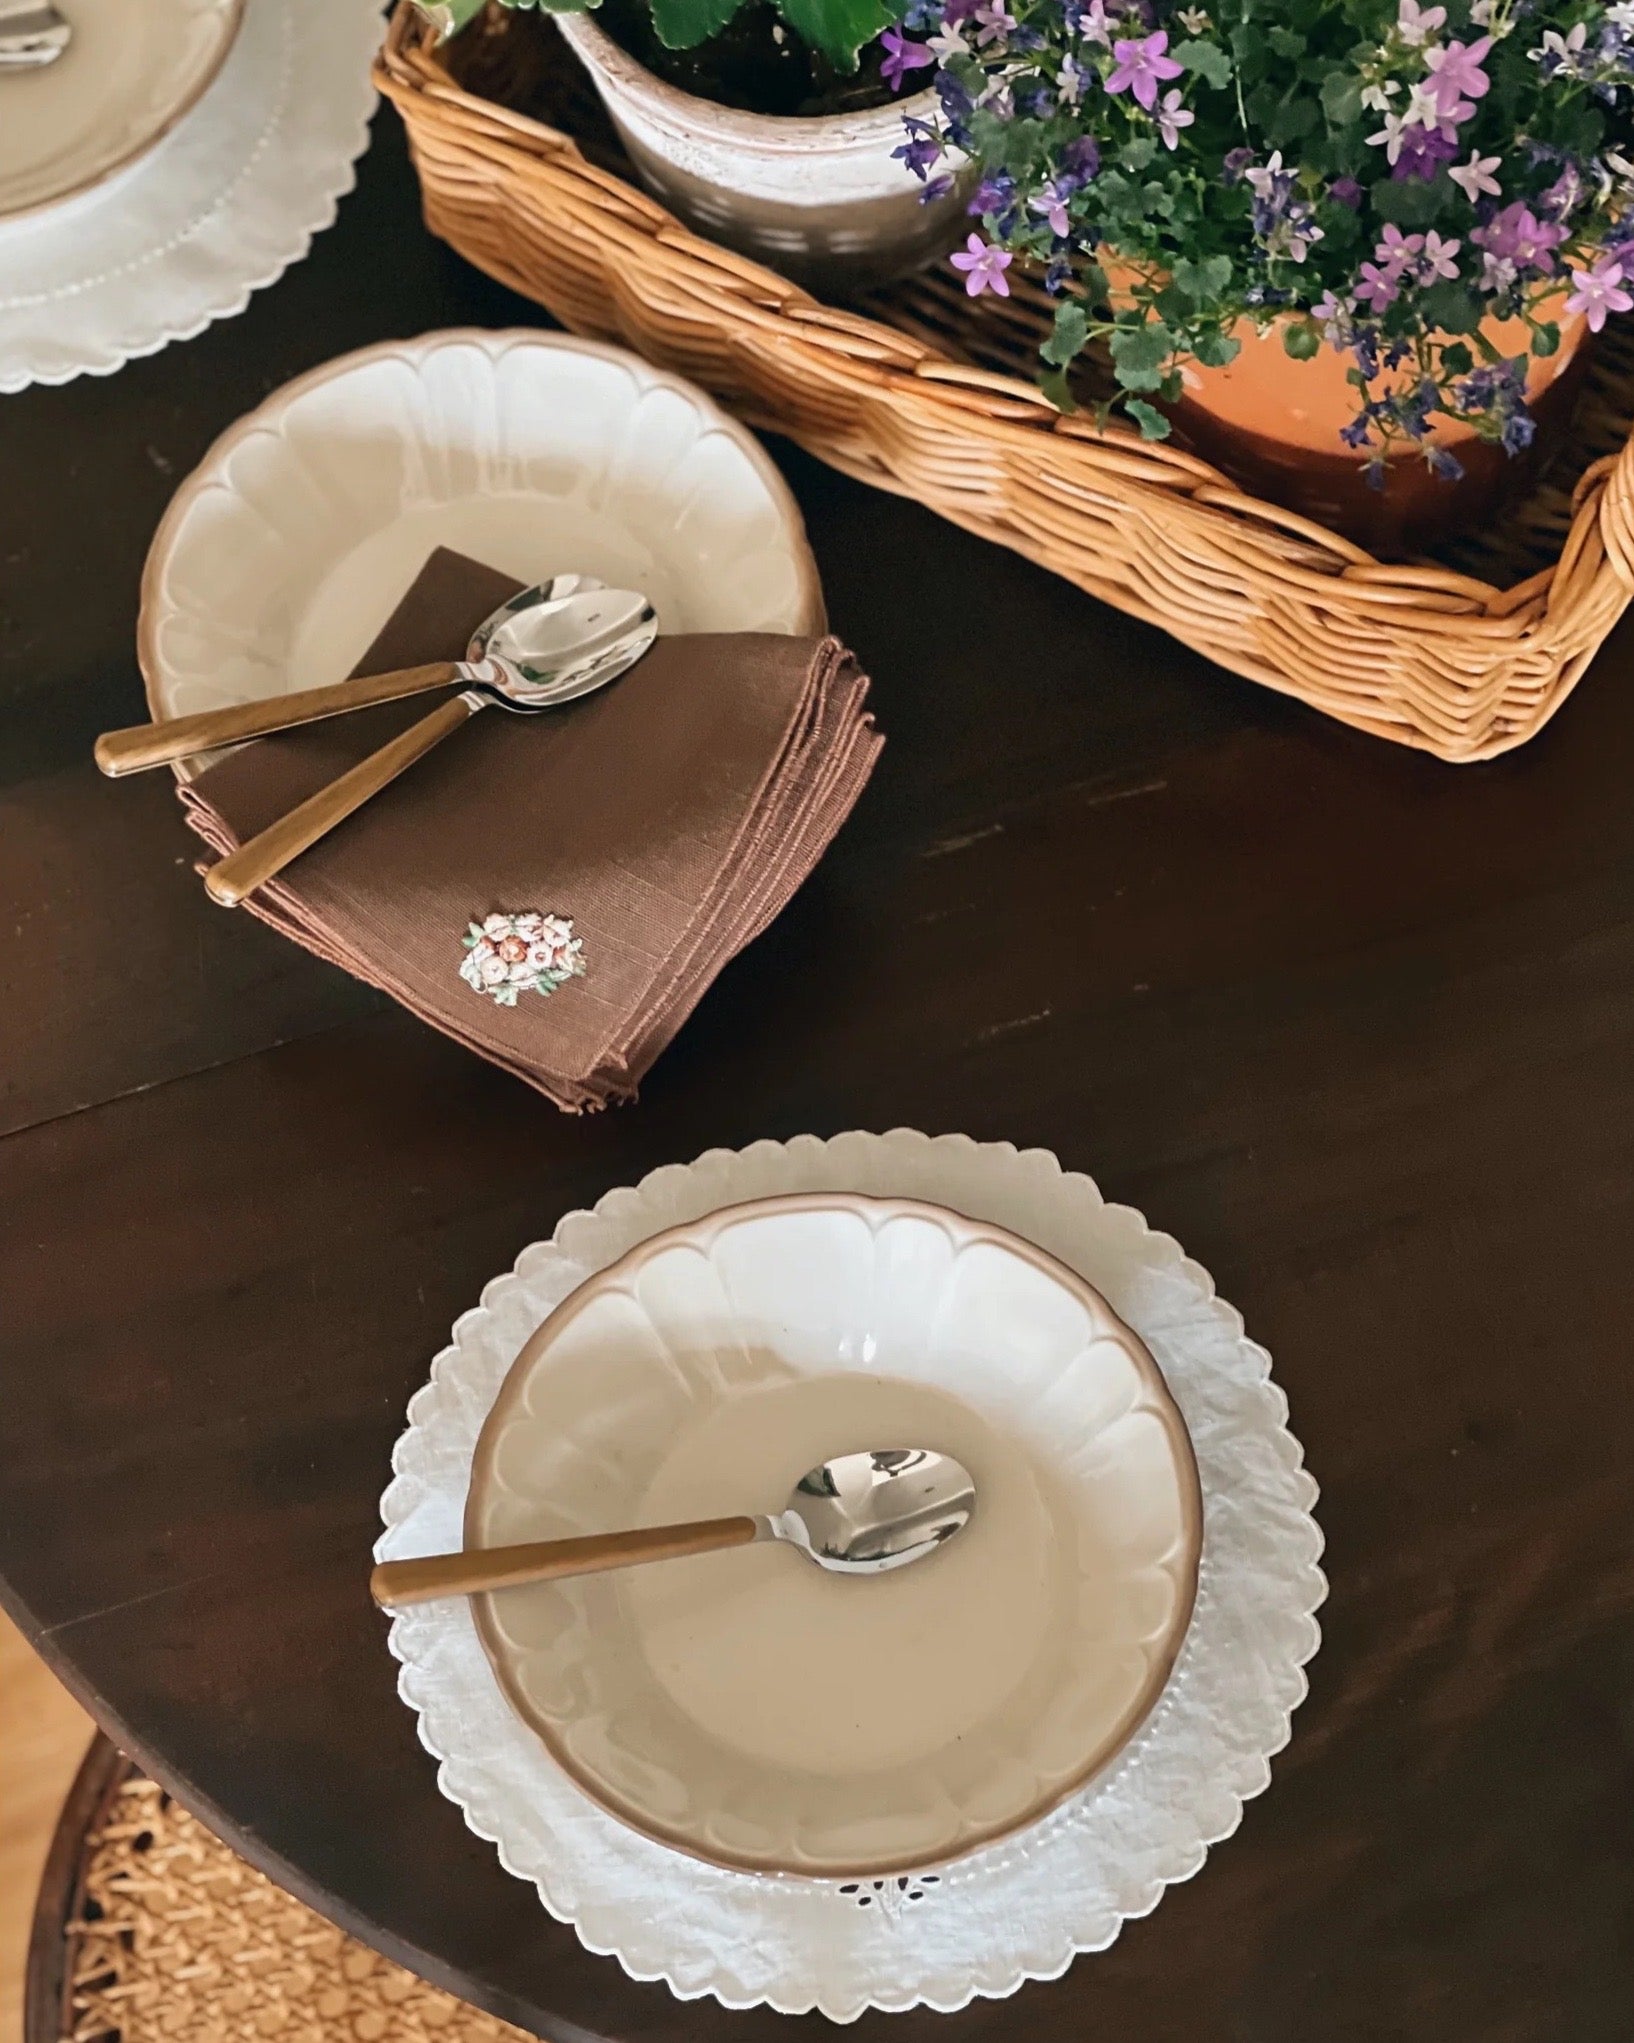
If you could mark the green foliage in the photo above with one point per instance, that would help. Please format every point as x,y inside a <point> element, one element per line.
<point>839,29</point>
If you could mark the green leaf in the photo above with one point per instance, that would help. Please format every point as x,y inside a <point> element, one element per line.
<point>1057,387</point>
<point>1450,307</point>
<point>682,24</point>
<point>1293,119</point>
<point>1071,331</point>
<point>839,28</point>
<point>1203,280</point>
<point>1457,360</point>
<point>1287,42</point>
<point>1207,60</point>
<point>1301,339</point>
<point>1138,154</point>
<point>1342,99</point>
<point>1215,350</point>
<point>448,17</point>
<point>1409,202</point>
<point>1546,338</point>
<point>1147,346</point>
<point>1153,425</point>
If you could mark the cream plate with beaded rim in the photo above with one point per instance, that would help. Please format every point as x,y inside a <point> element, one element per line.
<point>133,69</point>
<point>288,547</point>
<point>762,1714</point>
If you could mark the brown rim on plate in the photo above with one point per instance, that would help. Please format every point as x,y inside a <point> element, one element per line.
<point>1185,1463</point>
<point>208,473</point>
<point>212,71</point>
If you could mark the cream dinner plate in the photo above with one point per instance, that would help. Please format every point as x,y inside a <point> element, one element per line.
<point>133,69</point>
<point>750,1709</point>
<point>283,554</point>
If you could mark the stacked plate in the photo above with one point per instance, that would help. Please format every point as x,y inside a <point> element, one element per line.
<point>177,155</point>
<point>761,1781</point>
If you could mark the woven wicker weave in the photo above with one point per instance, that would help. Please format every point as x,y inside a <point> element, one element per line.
<point>176,1940</point>
<point>921,391</point>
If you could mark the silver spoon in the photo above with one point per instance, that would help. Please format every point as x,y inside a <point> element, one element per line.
<point>856,1515</point>
<point>32,35</point>
<point>523,658</point>
<point>545,639</point>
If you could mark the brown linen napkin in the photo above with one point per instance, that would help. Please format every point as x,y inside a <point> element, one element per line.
<point>668,818</point>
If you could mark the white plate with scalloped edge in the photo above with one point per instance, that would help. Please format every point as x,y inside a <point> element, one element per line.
<point>283,554</point>
<point>752,1710</point>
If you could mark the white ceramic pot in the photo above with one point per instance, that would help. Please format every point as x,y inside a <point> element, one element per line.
<point>822,200</point>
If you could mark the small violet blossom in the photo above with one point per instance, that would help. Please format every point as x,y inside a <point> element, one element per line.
<point>1051,203</point>
<point>901,57</point>
<point>1172,116</point>
<point>1416,25</point>
<point>1438,259</point>
<point>1518,236</point>
<point>1140,66</point>
<point>1072,78</point>
<point>993,23</point>
<point>1456,74</point>
<point>1475,180</point>
<point>1599,291</point>
<point>1095,25</point>
<point>1562,55</point>
<point>983,267</point>
<point>1375,288</point>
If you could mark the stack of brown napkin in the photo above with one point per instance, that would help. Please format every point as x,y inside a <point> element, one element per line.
<point>668,819</point>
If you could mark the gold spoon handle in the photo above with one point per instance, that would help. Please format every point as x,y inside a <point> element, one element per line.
<point>395,1583</point>
<point>253,864</point>
<point>145,745</point>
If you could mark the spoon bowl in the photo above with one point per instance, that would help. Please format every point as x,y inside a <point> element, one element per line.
<point>858,1514</point>
<point>32,35</point>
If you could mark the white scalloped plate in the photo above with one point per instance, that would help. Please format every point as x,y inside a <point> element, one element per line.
<point>220,207</point>
<point>751,1709</point>
<point>1018,1910</point>
<point>133,69</point>
<point>289,546</point>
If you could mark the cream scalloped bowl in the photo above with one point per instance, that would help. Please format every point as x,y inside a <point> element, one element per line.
<point>283,554</point>
<point>749,1708</point>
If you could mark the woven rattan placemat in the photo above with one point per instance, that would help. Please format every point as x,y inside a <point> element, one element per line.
<point>177,1940</point>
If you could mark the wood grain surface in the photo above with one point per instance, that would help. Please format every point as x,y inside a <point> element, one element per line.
<point>1356,1027</point>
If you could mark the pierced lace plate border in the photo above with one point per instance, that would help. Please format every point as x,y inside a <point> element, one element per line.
<point>1022,1909</point>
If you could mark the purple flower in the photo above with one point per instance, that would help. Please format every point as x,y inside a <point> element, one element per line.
<point>922,148</point>
<point>1235,164</point>
<point>1140,66</point>
<point>1051,203</point>
<point>1345,191</point>
<point>1417,24</point>
<point>1599,292</point>
<point>1397,251</point>
<point>1081,158</point>
<point>1422,152</point>
<point>1515,235</point>
<point>901,57</point>
<point>993,23</point>
<point>938,188</point>
<point>1447,466</point>
<point>1474,179</point>
<point>1455,71</point>
<point>1564,195</point>
<point>1439,258</point>
<point>1172,116</point>
<point>1376,287</point>
<point>983,268</point>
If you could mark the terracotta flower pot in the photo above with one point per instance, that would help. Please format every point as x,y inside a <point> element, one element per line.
<point>823,200</point>
<point>1273,424</point>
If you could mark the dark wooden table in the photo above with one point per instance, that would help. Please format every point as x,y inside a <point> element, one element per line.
<point>1357,1027</point>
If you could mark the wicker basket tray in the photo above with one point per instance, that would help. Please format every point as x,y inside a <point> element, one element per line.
<point>920,390</point>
